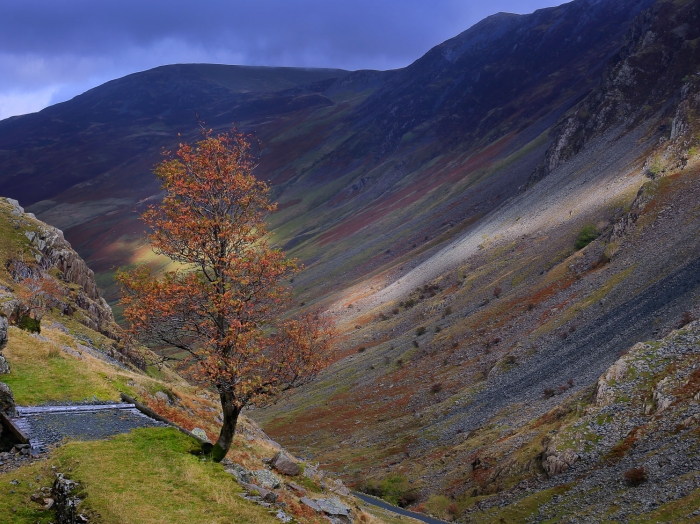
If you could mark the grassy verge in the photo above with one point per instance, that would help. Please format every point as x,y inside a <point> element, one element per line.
<point>146,476</point>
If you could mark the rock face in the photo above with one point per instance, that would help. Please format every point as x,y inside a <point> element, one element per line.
<point>7,400</point>
<point>285,465</point>
<point>50,250</point>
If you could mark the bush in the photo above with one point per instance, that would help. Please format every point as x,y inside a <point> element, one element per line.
<point>395,489</point>
<point>636,476</point>
<point>420,331</point>
<point>361,349</point>
<point>27,323</point>
<point>497,291</point>
<point>436,388</point>
<point>438,505</point>
<point>587,235</point>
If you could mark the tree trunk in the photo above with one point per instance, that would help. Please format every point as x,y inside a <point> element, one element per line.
<point>228,430</point>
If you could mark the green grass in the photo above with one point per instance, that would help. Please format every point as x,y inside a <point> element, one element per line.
<point>41,374</point>
<point>146,476</point>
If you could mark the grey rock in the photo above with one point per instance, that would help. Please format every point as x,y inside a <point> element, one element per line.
<point>310,503</point>
<point>285,465</point>
<point>267,479</point>
<point>3,332</point>
<point>265,494</point>
<point>333,506</point>
<point>4,366</point>
<point>7,400</point>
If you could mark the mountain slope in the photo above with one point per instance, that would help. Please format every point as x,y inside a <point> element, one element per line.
<point>491,227</point>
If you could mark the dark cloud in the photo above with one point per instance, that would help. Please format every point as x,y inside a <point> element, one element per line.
<point>51,50</point>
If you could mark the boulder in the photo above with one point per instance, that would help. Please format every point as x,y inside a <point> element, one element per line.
<point>333,506</point>
<point>285,465</point>
<point>197,432</point>
<point>7,400</point>
<point>265,494</point>
<point>555,462</point>
<point>3,332</point>
<point>4,366</point>
<point>267,479</point>
<point>310,503</point>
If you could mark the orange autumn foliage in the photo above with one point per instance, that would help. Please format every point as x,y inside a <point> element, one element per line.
<point>223,308</point>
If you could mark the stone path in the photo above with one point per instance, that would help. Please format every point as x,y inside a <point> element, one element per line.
<point>46,425</point>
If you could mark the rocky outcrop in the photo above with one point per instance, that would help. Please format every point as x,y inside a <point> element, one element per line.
<point>65,503</point>
<point>555,462</point>
<point>652,79</point>
<point>7,400</point>
<point>49,250</point>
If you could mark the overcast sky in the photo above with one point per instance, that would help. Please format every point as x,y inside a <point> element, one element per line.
<point>53,50</point>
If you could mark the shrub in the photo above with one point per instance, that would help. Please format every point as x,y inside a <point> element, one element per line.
<point>395,489</point>
<point>548,392</point>
<point>420,331</point>
<point>436,388</point>
<point>636,476</point>
<point>361,349</point>
<point>587,235</point>
<point>438,329</point>
<point>438,505</point>
<point>410,303</point>
<point>30,324</point>
<point>448,310</point>
<point>395,311</point>
<point>497,291</point>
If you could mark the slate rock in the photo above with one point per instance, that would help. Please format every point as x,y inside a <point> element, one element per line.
<point>285,465</point>
<point>333,506</point>
<point>310,503</point>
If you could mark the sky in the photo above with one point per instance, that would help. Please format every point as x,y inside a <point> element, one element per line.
<point>53,50</point>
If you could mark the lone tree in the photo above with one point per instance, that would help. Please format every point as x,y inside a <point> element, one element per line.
<point>222,309</point>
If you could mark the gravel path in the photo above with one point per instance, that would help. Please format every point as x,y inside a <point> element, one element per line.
<point>51,424</point>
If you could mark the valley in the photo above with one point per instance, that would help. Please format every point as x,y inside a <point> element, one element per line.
<point>505,233</point>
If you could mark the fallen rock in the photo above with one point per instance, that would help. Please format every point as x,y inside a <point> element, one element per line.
<point>285,464</point>
<point>333,506</point>
<point>265,494</point>
<point>310,503</point>
<point>267,479</point>
<point>241,474</point>
<point>7,400</point>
